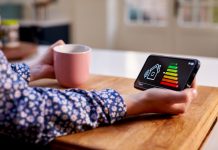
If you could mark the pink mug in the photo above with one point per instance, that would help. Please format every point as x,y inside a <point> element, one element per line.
<point>72,64</point>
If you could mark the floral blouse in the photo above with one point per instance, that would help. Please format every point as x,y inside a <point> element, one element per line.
<point>38,115</point>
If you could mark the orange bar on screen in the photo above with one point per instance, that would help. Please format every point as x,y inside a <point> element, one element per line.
<point>170,81</point>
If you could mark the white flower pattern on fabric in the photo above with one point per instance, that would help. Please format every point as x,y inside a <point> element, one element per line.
<point>38,115</point>
<point>22,71</point>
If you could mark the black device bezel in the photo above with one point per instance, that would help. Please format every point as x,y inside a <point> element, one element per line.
<point>190,79</point>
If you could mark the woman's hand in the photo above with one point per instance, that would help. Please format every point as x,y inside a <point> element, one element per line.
<point>160,101</point>
<point>45,67</point>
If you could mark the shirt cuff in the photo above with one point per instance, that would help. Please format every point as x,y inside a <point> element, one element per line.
<point>114,105</point>
<point>23,71</point>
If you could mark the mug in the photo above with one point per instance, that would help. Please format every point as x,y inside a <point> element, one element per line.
<point>72,64</point>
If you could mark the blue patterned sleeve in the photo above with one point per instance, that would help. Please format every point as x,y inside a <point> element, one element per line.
<point>22,70</point>
<point>38,115</point>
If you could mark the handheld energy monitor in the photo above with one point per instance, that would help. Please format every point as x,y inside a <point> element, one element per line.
<point>167,72</point>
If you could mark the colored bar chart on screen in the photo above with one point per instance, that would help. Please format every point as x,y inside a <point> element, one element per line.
<point>170,77</point>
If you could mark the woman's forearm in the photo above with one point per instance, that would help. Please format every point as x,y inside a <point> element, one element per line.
<point>136,104</point>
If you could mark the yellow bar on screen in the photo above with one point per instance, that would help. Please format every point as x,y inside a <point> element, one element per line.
<point>170,77</point>
<point>171,74</point>
<point>172,70</point>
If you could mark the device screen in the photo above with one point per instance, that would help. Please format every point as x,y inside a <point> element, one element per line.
<point>166,72</point>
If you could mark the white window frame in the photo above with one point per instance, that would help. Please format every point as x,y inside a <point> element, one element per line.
<point>196,4</point>
<point>141,22</point>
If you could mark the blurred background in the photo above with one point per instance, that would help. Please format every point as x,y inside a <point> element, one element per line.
<point>187,27</point>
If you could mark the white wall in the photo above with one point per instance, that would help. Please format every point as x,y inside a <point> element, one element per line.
<point>95,22</point>
<point>90,25</point>
<point>197,41</point>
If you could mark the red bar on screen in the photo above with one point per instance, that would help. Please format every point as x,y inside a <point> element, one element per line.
<point>169,84</point>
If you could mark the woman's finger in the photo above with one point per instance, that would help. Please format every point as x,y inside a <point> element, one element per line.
<point>194,84</point>
<point>59,42</point>
<point>169,96</point>
<point>191,93</point>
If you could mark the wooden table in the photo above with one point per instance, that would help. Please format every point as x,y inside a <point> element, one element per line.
<point>186,131</point>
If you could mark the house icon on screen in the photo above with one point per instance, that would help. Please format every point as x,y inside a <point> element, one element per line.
<point>151,73</point>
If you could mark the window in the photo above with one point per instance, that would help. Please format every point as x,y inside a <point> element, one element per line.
<point>198,12</point>
<point>152,12</point>
<point>156,12</point>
